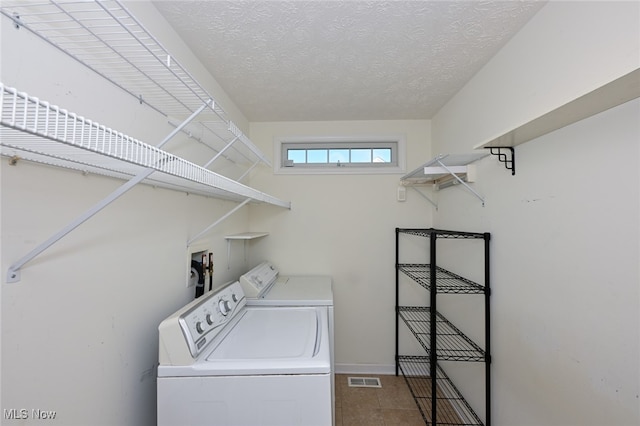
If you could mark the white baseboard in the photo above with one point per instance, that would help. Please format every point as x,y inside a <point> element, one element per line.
<point>389,369</point>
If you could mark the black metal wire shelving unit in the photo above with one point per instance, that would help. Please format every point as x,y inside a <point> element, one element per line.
<point>439,401</point>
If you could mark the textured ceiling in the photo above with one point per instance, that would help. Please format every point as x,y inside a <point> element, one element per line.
<point>344,60</point>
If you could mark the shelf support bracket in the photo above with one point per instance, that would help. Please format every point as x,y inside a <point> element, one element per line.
<point>16,21</point>
<point>425,197</point>
<point>460,181</point>
<point>210,227</point>
<point>509,162</point>
<point>215,157</point>
<point>13,274</point>
<point>244,248</point>
<point>240,179</point>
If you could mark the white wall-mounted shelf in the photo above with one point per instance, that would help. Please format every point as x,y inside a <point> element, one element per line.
<point>106,38</point>
<point>33,129</point>
<point>617,92</point>
<point>244,237</point>
<point>443,171</point>
<point>441,167</point>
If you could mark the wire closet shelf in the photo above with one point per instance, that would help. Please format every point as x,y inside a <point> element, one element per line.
<point>106,38</point>
<point>38,131</point>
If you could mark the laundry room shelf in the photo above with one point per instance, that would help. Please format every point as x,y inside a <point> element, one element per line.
<point>453,345</point>
<point>614,93</point>
<point>443,171</point>
<point>452,408</point>
<point>105,37</point>
<point>440,167</point>
<point>439,401</point>
<point>244,237</point>
<point>108,39</point>
<point>33,129</point>
<point>442,233</point>
<point>447,281</point>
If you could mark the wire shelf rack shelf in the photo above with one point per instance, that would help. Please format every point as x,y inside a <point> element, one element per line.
<point>446,281</point>
<point>453,344</point>
<point>452,409</point>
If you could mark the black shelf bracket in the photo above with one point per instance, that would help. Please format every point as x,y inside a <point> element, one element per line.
<point>16,21</point>
<point>509,163</point>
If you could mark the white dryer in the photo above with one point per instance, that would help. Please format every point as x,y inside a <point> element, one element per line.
<point>225,363</point>
<point>263,285</point>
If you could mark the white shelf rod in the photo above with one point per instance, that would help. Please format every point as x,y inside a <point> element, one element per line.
<point>13,274</point>
<point>214,224</point>
<point>219,154</point>
<point>460,181</point>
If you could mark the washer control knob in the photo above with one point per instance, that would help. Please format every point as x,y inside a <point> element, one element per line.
<point>199,328</point>
<point>234,297</point>
<point>209,319</point>
<point>224,307</point>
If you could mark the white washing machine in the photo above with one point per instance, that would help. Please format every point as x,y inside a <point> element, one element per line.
<point>264,286</point>
<point>224,363</point>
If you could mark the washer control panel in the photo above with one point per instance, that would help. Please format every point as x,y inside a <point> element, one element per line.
<point>257,282</point>
<point>204,320</point>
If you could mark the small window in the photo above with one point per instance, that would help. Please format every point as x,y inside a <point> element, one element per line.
<point>340,155</point>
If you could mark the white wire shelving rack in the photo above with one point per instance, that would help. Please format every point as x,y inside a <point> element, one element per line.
<point>105,37</point>
<point>443,171</point>
<point>35,130</point>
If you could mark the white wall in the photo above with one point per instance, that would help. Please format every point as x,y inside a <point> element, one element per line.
<point>565,228</point>
<point>79,331</point>
<point>344,226</point>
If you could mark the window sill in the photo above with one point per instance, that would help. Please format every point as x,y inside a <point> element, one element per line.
<point>343,170</point>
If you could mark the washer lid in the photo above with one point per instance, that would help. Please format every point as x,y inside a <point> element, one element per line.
<point>298,291</point>
<point>274,341</point>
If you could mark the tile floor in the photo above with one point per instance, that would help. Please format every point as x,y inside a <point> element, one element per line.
<point>392,404</point>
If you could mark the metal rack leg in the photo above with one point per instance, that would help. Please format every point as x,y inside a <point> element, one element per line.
<point>432,332</point>
<point>397,296</point>
<point>487,332</point>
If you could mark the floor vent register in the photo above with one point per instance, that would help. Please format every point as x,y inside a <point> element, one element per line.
<point>364,382</point>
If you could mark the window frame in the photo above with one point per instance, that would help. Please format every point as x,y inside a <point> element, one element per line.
<point>395,142</point>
